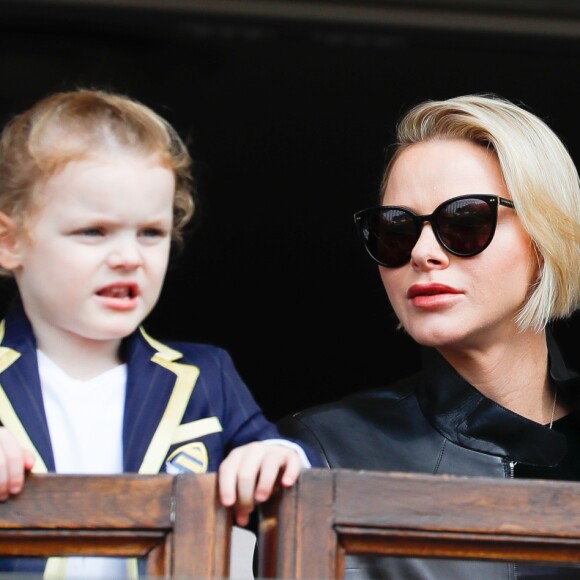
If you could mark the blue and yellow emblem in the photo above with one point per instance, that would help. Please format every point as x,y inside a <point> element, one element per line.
<point>190,458</point>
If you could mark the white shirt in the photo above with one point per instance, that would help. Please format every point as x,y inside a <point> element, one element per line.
<point>85,421</point>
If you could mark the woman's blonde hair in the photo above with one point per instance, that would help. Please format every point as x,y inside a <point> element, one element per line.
<point>74,125</point>
<point>540,177</point>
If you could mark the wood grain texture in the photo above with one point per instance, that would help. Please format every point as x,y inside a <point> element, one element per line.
<point>332,513</point>
<point>175,522</point>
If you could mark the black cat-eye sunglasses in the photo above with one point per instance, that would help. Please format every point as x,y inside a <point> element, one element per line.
<point>463,225</point>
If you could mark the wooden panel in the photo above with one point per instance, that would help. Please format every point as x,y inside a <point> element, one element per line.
<point>202,529</point>
<point>175,522</point>
<point>338,512</point>
<point>129,500</point>
<point>296,538</point>
<point>463,504</point>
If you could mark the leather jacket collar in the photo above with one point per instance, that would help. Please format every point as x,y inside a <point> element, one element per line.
<point>466,417</point>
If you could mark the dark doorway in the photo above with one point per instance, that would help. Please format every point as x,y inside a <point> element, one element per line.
<point>288,121</point>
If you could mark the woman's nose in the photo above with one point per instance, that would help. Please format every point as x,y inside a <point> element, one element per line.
<point>428,252</point>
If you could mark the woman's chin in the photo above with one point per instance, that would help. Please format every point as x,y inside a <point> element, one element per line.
<point>435,337</point>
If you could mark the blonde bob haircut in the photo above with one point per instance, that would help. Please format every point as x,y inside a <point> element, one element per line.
<point>78,125</point>
<point>540,177</point>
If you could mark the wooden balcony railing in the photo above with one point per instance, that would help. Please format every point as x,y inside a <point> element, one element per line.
<point>176,524</point>
<point>308,531</point>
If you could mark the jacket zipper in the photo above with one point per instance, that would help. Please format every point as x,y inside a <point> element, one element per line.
<point>512,468</point>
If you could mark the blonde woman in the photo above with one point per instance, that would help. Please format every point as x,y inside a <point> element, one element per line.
<point>477,241</point>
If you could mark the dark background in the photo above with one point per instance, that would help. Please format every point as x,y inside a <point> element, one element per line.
<point>288,109</point>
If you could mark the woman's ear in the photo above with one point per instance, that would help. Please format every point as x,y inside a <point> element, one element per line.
<point>10,243</point>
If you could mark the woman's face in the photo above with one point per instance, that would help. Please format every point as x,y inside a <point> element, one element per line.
<point>446,301</point>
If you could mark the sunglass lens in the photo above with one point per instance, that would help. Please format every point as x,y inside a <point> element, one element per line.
<point>466,226</point>
<point>391,235</point>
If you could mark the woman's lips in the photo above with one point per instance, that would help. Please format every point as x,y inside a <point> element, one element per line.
<point>431,295</point>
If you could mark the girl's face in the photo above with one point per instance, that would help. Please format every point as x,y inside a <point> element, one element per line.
<point>93,263</point>
<point>445,301</point>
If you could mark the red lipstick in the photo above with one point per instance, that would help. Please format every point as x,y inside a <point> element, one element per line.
<point>432,296</point>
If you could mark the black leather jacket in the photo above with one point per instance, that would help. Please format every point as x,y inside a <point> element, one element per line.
<point>433,422</point>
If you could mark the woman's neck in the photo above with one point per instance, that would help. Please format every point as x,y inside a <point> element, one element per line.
<point>514,375</point>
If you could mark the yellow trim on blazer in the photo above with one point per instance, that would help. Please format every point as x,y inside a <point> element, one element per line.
<point>55,568</point>
<point>196,429</point>
<point>163,351</point>
<point>7,355</point>
<point>186,377</point>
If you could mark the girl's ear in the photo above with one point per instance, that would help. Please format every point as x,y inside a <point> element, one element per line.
<point>10,243</point>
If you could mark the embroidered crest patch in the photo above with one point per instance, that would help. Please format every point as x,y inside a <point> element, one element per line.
<point>189,458</point>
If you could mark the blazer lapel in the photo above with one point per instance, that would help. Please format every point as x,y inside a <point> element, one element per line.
<point>158,391</point>
<point>21,404</point>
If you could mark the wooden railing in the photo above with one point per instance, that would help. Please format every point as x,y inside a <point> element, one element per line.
<point>308,531</point>
<point>176,524</point>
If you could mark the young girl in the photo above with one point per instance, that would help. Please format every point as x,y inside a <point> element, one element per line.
<point>94,189</point>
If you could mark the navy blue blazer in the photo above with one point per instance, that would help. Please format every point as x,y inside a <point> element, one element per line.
<point>180,396</point>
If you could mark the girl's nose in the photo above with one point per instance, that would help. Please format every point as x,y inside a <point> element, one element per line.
<point>126,256</point>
